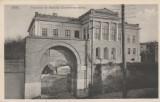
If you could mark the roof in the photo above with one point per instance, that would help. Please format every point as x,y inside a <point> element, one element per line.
<point>104,10</point>
<point>53,17</point>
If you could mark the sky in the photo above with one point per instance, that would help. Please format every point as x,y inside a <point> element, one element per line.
<point>18,18</point>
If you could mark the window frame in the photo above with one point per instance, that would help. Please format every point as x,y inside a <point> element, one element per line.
<point>106,53</point>
<point>84,33</point>
<point>105,33</point>
<point>113,53</point>
<point>113,33</point>
<point>76,33</point>
<point>134,51</point>
<point>98,53</point>
<point>97,32</point>
<point>67,33</point>
<point>128,39</point>
<point>44,32</point>
<point>133,38</point>
<point>129,51</point>
<point>55,32</point>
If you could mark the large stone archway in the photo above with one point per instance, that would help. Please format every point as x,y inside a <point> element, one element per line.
<point>33,67</point>
<point>52,56</point>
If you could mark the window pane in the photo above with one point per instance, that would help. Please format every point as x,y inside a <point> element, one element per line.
<point>106,53</point>
<point>44,32</point>
<point>105,32</point>
<point>133,39</point>
<point>84,33</point>
<point>76,34</point>
<point>113,54</point>
<point>113,32</point>
<point>134,51</point>
<point>67,33</point>
<point>128,39</point>
<point>98,53</point>
<point>129,51</point>
<point>55,32</point>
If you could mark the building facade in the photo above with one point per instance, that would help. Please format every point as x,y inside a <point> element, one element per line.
<point>101,25</point>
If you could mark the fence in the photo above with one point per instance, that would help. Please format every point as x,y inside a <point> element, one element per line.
<point>14,79</point>
<point>14,65</point>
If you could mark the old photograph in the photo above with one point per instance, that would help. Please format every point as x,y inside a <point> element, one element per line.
<point>81,51</point>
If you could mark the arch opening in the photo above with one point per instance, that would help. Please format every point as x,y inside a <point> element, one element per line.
<point>59,73</point>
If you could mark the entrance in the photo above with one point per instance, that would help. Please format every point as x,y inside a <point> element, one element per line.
<point>59,73</point>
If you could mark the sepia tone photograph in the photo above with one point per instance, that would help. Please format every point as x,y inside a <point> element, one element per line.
<point>81,51</point>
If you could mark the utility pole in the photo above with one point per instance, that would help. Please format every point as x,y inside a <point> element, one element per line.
<point>123,52</point>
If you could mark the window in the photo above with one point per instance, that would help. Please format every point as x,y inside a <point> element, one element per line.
<point>119,36</point>
<point>67,33</point>
<point>88,32</point>
<point>106,54</point>
<point>44,32</point>
<point>97,32</point>
<point>55,32</point>
<point>113,54</point>
<point>134,51</point>
<point>129,50</point>
<point>133,39</point>
<point>97,53</point>
<point>84,33</point>
<point>128,39</point>
<point>76,34</point>
<point>105,33</point>
<point>113,32</point>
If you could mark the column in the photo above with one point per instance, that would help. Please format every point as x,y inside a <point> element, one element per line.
<point>109,31</point>
<point>101,37</point>
<point>117,31</point>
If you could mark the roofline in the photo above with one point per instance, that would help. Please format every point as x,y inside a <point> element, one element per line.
<point>33,20</point>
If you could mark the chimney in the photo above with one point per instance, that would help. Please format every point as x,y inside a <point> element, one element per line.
<point>36,13</point>
<point>55,14</point>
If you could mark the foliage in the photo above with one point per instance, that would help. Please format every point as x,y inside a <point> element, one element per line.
<point>151,47</point>
<point>14,48</point>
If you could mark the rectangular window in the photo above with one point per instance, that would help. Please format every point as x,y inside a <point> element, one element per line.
<point>84,33</point>
<point>97,32</point>
<point>44,32</point>
<point>129,50</point>
<point>76,34</point>
<point>88,32</point>
<point>133,39</point>
<point>119,36</point>
<point>105,33</point>
<point>134,51</point>
<point>55,32</point>
<point>67,33</point>
<point>128,39</point>
<point>113,32</point>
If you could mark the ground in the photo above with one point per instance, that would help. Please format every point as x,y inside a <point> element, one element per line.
<point>139,93</point>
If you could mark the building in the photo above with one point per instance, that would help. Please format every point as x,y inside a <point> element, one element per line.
<point>83,42</point>
<point>149,52</point>
<point>103,24</point>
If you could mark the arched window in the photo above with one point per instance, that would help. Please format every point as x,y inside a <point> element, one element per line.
<point>113,54</point>
<point>97,53</point>
<point>106,54</point>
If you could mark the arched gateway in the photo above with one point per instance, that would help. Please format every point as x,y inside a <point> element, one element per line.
<point>35,61</point>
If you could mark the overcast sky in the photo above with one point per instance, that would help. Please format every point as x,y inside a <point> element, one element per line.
<point>17,20</point>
